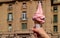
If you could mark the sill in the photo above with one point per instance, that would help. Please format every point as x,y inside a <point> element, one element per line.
<point>55,32</point>
<point>24,8</point>
<point>9,21</point>
<point>23,19</point>
<point>55,22</point>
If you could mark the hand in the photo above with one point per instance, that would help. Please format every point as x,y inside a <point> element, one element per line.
<point>41,32</point>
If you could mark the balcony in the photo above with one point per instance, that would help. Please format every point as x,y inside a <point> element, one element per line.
<point>24,31</point>
<point>6,0</point>
<point>17,31</point>
<point>56,2</point>
<point>16,0</point>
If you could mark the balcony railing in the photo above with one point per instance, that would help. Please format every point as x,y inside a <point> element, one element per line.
<point>16,31</point>
<point>16,0</point>
<point>24,31</point>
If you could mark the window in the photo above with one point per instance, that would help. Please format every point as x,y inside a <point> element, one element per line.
<point>10,27</point>
<point>55,28</point>
<point>24,15</point>
<point>55,18</point>
<point>10,7</point>
<point>10,17</point>
<point>24,25</point>
<point>24,5</point>
<point>55,8</point>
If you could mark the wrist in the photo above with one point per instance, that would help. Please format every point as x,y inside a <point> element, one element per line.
<point>45,36</point>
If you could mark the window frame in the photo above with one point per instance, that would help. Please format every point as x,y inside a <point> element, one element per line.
<point>55,9</point>
<point>24,26</point>
<point>55,28</point>
<point>24,5</point>
<point>10,27</point>
<point>10,16</point>
<point>24,15</point>
<point>55,18</point>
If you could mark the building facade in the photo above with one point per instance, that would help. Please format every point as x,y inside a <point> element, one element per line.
<point>16,18</point>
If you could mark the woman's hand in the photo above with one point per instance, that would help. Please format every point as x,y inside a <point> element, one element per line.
<point>41,32</point>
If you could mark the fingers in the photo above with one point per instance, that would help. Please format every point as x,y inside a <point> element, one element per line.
<point>36,33</point>
<point>38,30</point>
<point>34,29</point>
